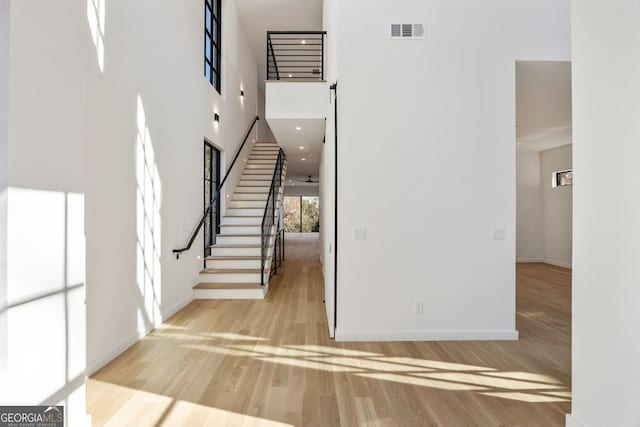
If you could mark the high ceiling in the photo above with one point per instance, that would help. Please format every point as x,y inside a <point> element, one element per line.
<point>260,16</point>
<point>543,104</point>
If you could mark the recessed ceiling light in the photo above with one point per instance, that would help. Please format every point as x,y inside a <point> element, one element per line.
<point>303,159</point>
<point>298,128</point>
<point>301,147</point>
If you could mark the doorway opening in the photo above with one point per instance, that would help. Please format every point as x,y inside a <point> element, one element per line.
<point>544,207</point>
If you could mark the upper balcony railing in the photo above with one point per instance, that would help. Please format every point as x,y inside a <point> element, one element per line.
<point>295,55</point>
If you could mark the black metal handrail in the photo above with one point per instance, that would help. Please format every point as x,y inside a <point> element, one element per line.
<point>278,252</point>
<point>216,194</point>
<point>297,55</point>
<point>271,56</point>
<point>269,217</point>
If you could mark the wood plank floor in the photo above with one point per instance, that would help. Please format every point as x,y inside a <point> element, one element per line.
<point>244,363</point>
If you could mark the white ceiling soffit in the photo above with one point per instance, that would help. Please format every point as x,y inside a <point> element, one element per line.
<point>543,104</point>
<point>309,137</point>
<point>260,16</point>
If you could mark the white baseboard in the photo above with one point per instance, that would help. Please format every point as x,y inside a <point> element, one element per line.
<point>529,260</point>
<point>96,365</point>
<point>557,263</point>
<point>544,261</point>
<point>176,308</point>
<point>372,336</point>
<point>571,421</point>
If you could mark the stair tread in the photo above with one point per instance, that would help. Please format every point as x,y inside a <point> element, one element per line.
<point>238,246</point>
<point>228,286</point>
<point>240,225</point>
<point>240,235</point>
<point>234,258</point>
<point>231,270</point>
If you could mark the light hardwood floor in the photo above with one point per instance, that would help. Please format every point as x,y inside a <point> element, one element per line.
<point>228,363</point>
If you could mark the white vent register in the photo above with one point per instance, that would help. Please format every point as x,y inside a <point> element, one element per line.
<point>407,31</point>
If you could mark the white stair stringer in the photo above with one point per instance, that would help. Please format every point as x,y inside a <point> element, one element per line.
<point>234,267</point>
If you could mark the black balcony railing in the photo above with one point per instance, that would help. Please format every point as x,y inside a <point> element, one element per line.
<point>297,55</point>
<point>270,219</point>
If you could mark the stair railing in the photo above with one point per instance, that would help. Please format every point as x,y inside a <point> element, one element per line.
<point>270,212</point>
<point>216,194</point>
<point>295,55</point>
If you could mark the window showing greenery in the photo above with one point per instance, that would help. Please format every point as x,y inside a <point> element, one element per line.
<point>310,214</point>
<point>302,214</point>
<point>212,63</point>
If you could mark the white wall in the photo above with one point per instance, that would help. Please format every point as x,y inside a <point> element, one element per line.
<point>108,112</point>
<point>557,207</point>
<point>4,146</point>
<point>302,190</point>
<point>327,167</point>
<point>45,215</point>
<point>451,147</point>
<point>153,64</point>
<point>606,107</point>
<point>544,214</point>
<point>529,218</point>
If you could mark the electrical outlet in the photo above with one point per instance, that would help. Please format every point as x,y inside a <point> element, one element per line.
<point>419,307</point>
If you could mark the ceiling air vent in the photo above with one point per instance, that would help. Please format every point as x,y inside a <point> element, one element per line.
<point>407,31</point>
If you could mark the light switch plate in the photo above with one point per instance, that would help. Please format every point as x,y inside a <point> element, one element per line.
<point>498,233</point>
<point>359,234</point>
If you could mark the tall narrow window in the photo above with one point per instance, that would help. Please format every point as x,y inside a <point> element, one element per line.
<point>212,63</point>
<point>211,180</point>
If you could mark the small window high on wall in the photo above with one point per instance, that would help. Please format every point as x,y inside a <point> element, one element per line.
<point>212,43</point>
<point>562,178</point>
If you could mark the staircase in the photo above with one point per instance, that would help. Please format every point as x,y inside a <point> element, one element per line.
<point>234,268</point>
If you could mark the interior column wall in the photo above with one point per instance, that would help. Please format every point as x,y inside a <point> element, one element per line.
<point>4,164</point>
<point>445,130</point>
<point>606,249</point>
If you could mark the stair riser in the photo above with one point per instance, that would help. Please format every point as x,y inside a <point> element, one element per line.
<point>259,156</point>
<point>215,251</point>
<point>261,190</point>
<point>269,164</point>
<point>230,278</point>
<point>260,176</point>
<point>262,167</point>
<point>248,196</point>
<point>242,221</point>
<point>255,183</point>
<point>230,264</point>
<point>248,203</point>
<point>249,294</point>
<point>261,173</point>
<point>248,240</point>
<point>246,212</point>
<point>240,230</point>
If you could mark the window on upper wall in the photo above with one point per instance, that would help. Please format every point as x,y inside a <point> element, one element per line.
<point>562,178</point>
<point>212,63</point>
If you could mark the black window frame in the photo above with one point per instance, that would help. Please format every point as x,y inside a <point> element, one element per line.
<point>212,45</point>
<point>210,183</point>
